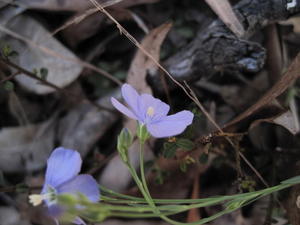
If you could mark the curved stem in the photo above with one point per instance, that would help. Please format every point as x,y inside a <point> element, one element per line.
<point>237,201</point>
<point>131,199</point>
<point>144,182</point>
<point>191,201</point>
<point>142,169</point>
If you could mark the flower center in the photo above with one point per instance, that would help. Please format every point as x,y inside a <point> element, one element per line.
<point>49,196</point>
<point>36,200</point>
<point>150,111</point>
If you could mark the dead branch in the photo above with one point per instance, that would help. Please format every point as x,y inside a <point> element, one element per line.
<point>216,49</point>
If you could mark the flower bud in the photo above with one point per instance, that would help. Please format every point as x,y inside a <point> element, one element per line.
<point>125,140</point>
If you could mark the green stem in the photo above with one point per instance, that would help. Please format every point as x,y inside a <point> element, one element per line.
<point>142,169</point>
<point>130,199</point>
<point>149,198</point>
<point>134,215</point>
<point>192,201</point>
<point>139,184</point>
<point>245,199</point>
<point>143,185</point>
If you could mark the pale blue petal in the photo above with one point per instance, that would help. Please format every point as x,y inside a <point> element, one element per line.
<point>55,211</point>
<point>84,184</point>
<point>131,97</point>
<point>123,109</point>
<point>171,125</point>
<point>79,221</point>
<point>62,165</point>
<point>160,108</point>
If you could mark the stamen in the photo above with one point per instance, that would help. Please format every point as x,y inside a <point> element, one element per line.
<point>150,111</point>
<point>36,200</point>
<point>49,196</point>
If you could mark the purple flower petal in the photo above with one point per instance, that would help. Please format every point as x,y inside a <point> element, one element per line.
<point>79,221</point>
<point>131,97</point>
<point>62,165</point>
<point>123,109</point>
<point>84,184</point>
<point>152,112</point>
<point>55,211</point>
<point>171,125</point>
<point>160,109</point>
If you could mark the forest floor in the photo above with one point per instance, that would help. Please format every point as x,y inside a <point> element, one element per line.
<point>62,61</point>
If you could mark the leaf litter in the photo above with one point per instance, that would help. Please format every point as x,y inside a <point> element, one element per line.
<point>83,126</point>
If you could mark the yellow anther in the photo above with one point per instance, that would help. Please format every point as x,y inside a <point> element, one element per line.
<point>172,139</point>
<point>36,200</point>
<point>150,111</point>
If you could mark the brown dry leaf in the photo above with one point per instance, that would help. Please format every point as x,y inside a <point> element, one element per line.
<point>63,5</point>
<point>224,10</point>
<point>274,54</point>
<point>286,81</point>
<point>141,63</point>
<point>193,214</point>
<point>76,30</point>
<point>76,5</point>
<point>285,120</point>
<point>84,25</point>
<point>295,21</point>
<point>130,3</point>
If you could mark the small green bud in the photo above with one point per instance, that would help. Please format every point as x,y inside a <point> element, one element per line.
<point>44,73</point>
<point>67,200</point>
<point>35,71</point>
<point>9,86</point>
<point>125,140</point>
<point>142,133</point>
<point>6,50</point>
<point>98,215</point>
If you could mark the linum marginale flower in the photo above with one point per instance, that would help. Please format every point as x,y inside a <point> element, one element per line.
<point>62,177</point>
<point>152,113</point>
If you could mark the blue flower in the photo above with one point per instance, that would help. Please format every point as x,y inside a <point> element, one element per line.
<point>152,112</point>
<point>63,167</point>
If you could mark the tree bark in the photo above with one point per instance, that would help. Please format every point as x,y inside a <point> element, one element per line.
<point>216,49</point>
